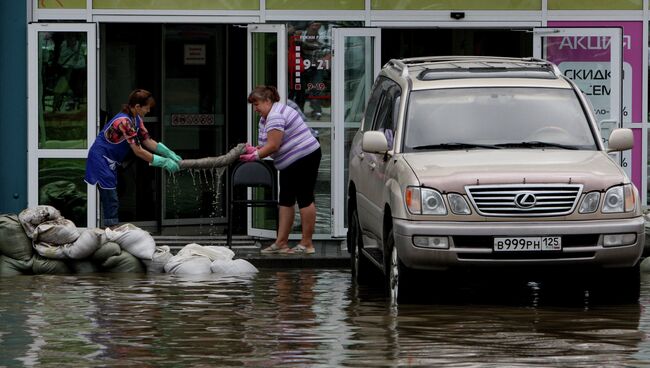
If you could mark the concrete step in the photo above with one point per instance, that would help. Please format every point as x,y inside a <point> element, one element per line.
<point>329,253</point>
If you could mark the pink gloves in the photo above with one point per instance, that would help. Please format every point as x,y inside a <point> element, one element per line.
<point>250,149</point>
<point>254,156</point>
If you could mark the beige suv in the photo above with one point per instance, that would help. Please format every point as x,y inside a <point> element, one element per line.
<point>489,164</point>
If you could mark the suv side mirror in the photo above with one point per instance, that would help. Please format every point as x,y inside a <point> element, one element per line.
<point>374,142</point>
<point>621,139</point>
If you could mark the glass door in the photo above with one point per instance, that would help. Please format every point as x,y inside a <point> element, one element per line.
<point>592,58</point>
<point>193,122</point>
<point>62,118</point>
<point>356,63</point>
<point>267,55</point>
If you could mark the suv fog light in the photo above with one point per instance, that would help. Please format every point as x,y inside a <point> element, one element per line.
<point>436,242</point>
<point>617,240</point>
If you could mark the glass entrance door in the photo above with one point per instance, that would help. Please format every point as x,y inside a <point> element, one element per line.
<point>356,63</point>
<point>62,118</point>
<point>193,122</point>
<point>267,55</point>
<point>592,58</point>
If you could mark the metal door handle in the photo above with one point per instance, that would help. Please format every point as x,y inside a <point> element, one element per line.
<point>372,165</point>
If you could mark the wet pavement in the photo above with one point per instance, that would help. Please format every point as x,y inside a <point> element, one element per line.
<point>305,317</point>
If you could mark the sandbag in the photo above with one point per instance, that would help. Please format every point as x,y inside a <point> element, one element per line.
<point>49,266</point>
<point>56,232</point>
<point>232,267</point>
<point>32,217</point>
<point>14,243</point>
<point>123,263</point>
<point>133,239</point>
<point>50,251</point>
<point>188,265</point>
<point>106,251</point>
<point>212,252</point>
<point>83,266</point>
<point>157,263</point>
<point>88,242</point>
<point>14,267</point>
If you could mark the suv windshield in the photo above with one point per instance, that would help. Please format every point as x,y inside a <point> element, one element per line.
<point>496,117</point>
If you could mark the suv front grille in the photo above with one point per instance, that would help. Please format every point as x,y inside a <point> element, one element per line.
<point>519,200</point>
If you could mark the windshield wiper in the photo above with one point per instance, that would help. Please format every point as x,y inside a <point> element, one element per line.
<point>536,144</point>
<point>455,145</point>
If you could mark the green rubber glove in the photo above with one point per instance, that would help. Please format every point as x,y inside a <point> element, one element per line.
<point>166,163</point>
<point>161,149</point>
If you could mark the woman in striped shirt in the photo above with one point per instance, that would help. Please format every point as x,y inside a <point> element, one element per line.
<point>284,136</point>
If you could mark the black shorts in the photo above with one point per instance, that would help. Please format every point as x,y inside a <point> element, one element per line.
<point>298,180</point>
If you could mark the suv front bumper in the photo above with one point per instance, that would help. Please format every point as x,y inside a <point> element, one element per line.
<point>471,243</point>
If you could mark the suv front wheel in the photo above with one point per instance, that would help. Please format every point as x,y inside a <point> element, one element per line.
<point>399,278</point>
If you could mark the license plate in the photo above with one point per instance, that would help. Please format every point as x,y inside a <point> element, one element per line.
<point>528,244</point>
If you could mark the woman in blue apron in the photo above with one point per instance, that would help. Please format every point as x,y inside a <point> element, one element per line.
<point>124,133</point>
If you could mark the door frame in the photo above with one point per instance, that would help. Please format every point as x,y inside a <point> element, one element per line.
<point>338,198</point>
<point>34,153</point>
<point>281,48</point>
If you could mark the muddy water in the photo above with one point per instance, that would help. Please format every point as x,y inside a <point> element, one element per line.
<point>302,318</point>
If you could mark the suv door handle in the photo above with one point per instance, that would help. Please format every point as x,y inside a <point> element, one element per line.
<point>372,165</point>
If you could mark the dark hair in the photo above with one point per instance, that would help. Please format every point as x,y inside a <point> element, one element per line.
<point>140,97</point>
<point>263,93</point>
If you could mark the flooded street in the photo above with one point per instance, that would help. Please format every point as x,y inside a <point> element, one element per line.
<point>302,317</point>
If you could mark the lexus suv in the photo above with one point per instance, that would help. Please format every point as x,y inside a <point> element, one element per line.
<point>489,164</point>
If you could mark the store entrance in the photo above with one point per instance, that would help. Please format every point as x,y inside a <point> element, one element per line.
<point>414,42</point>
<point>191,69</point>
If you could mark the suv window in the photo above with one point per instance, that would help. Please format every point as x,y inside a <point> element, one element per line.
<point>373,103</point>
<point>497,116</point>
<point>386,119</point>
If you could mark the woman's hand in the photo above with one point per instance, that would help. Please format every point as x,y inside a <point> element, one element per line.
<point>250,149</point>
<point>254,156</point>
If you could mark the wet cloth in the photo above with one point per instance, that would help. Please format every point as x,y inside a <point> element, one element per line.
<point>111,147</point>
<point>213,162</point>
<point>297,139</point>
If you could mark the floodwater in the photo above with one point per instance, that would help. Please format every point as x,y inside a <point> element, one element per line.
<point>302,317</point>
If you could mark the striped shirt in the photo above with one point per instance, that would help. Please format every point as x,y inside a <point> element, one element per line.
<point>297,140</point>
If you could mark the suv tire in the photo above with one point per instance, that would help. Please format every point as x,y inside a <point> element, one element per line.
<point>359,265</point>
<point>399,280</point>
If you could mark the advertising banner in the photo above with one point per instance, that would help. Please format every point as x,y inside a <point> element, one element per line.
<point>585,61</point>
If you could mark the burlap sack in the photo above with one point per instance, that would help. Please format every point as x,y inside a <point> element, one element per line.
<point>14,267</point>
<point>14,243</point>
<point>32,217</point>
<point>133,239</point>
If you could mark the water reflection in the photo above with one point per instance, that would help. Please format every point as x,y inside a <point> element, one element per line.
<point>302,318</point>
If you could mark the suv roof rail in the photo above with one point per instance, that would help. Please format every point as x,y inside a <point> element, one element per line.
<point>400,65</point>
<point>403,64</point>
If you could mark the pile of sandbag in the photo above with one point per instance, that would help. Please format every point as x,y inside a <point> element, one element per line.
<point>41,241</point>
<point>195,259</point>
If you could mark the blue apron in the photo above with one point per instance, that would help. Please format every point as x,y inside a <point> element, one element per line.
<point>104,156</point>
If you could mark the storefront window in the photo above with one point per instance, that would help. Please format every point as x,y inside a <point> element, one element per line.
<point>61,185</point>
<point>62,60</point>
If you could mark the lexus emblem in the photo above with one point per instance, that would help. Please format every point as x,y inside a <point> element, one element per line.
<point>525,200</point>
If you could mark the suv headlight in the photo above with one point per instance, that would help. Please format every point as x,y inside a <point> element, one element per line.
<point>619,199</point>
<point>590,202</point>
<point>457,204</point>
<point>424,201</point>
